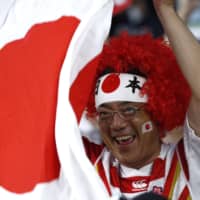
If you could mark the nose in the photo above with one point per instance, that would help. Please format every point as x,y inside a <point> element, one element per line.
<point>117,122</point>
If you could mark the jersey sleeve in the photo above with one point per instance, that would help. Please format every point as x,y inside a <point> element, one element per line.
<point>192,151</point>
<point>92,150</point>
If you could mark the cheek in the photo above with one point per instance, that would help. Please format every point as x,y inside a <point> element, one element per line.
<point>107,140</point>
<point>104,132</point>
<point>144,123</point>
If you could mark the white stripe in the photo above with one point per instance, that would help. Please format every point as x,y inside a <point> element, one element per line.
<point>87,42</point>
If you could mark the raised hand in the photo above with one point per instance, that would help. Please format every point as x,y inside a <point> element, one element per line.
<point>186,7</point>
<point>163,6</point>
<point>163,2</point>
<point>183,43</point>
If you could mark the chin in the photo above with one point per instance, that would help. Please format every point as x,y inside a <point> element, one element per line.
<point>126,161</point>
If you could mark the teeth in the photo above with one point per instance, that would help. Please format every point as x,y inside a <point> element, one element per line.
<point>121,138</point>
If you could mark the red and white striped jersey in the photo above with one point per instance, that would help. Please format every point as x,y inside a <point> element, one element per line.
<point>172,174</point>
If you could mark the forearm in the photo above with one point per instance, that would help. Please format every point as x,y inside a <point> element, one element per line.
<point>185,46</point>
<point>187,52</point>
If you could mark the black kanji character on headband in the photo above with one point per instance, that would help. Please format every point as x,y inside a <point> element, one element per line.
<point>134,84</point>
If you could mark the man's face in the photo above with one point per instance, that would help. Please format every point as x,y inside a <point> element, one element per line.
<point>129,133</point>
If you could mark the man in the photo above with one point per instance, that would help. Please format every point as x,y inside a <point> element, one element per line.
<point>140,93</point>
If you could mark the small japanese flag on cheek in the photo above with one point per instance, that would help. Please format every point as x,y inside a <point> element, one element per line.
<point>147,127</point>
<point>119,87</point>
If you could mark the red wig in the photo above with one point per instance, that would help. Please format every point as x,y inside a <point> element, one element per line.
<point>167,90</point>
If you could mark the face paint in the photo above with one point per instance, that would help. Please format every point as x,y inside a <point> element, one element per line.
<point>147,127</point>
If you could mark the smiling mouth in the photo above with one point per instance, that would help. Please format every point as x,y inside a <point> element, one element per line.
<point>125,139</point>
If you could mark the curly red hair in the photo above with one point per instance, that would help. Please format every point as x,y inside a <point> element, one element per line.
<point>167,90</point>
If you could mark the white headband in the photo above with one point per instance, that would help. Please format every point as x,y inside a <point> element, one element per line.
<point>119,87</point>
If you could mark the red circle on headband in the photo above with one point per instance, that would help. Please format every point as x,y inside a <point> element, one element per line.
<point>111,83</point>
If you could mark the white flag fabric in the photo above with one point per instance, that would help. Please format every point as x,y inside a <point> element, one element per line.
<point>121,5</point>
<point>48,56</point>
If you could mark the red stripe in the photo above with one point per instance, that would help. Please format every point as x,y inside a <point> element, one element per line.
<point>114,176</point>
<point>170,176</point>
<point>158,170</point>
<point>184,163</point>
<point>102,174</point>
<point>82,87</point>
<point>185,194</point>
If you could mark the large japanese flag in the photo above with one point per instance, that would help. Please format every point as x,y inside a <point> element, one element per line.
<point>48,56</point>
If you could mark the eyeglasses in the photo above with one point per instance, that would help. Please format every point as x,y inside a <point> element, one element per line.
<point>126,113</point>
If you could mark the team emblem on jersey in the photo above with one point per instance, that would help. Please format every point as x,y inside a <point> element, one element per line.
<point>140,184</point>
